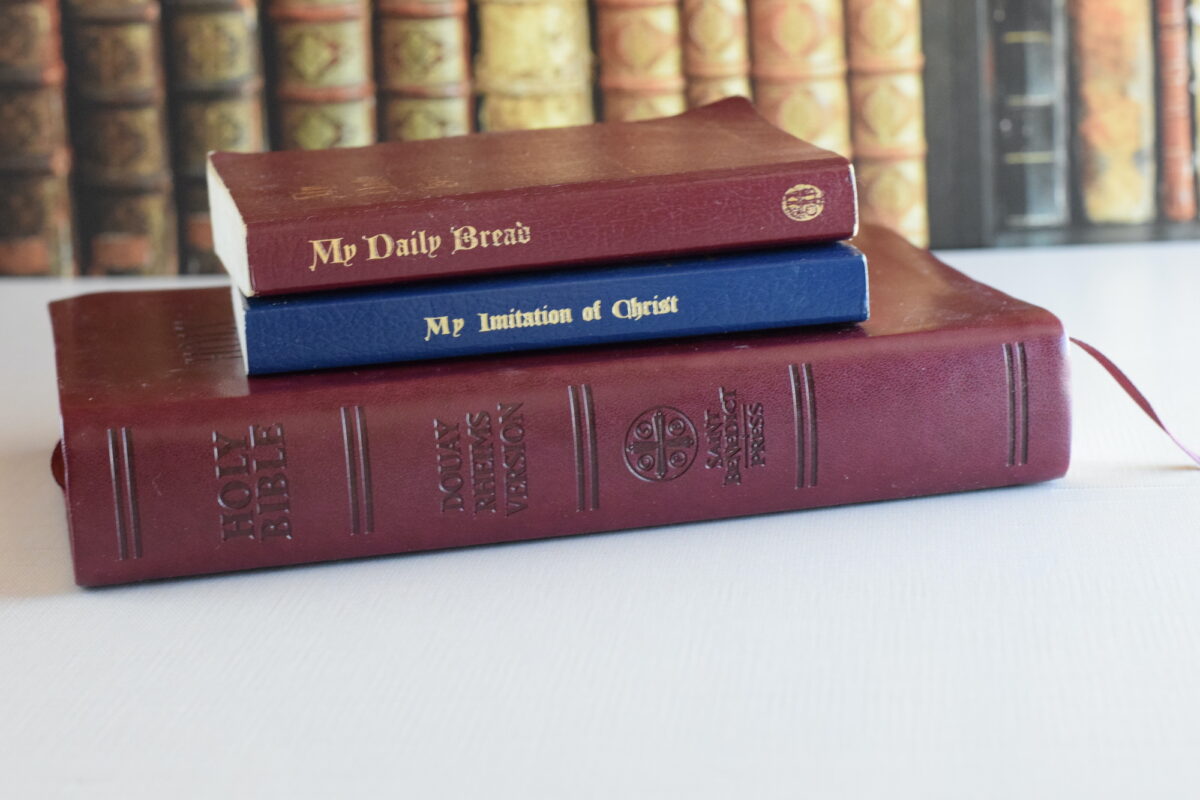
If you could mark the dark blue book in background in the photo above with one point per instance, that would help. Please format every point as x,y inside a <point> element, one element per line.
<point>688,297</point>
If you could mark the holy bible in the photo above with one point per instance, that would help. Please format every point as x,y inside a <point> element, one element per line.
<point>175,463</point>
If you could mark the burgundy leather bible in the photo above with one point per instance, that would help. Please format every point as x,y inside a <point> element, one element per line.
<point>176,463</point>
<point>716,178</point>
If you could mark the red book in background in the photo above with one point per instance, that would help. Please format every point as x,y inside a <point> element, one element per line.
<point>177,464</point>
<point>1175,112</point>
<point>720,177</point>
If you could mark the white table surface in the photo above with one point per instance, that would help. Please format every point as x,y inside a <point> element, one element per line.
<point>1037,642</point>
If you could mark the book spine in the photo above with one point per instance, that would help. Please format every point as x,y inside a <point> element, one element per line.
<point>715,59</point>
<point>798,61</point>
<point>125,200</point>
<point>534,65</point>
<point>423,69</point>
<point>1115,116</point>
<point>1175,112</point>
<point>781,204</point>
<point>323,93</point>
<point>887,113</point>
<point>216,87</point>
<point>552,447</point>
<point>959,90</point>
<point>559,309</point>
<point>1032,165</point>
<point>35,215</point>
<point>641,59</point>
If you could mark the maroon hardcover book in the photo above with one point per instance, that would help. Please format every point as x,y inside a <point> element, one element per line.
<point>718,177</point>
<point>177,464</point>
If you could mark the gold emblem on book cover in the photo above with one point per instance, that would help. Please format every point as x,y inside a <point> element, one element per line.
<point>803,202</point>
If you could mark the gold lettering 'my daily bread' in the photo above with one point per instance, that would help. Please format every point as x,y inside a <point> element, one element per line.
<point>424,75</point>
<point>534,66</point>
<point>888,114</point>
<point>35,218</point>
<point>798,61</point>
<point>324,96</point>
<point>126,206</point>
<point>295,221</point>
<point>214,77</point>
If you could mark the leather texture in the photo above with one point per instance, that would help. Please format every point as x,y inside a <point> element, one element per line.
<point>715,178</point>
<point>578,306</point>
<point>178,464</point>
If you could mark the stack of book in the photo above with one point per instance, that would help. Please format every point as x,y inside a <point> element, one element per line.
<point>717,237</point>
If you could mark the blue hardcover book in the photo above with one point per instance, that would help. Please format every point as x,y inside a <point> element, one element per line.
<point>687,297</point>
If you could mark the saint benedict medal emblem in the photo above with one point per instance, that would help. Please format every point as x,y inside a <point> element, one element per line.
<point>803,202</point>
<point>661,444</point>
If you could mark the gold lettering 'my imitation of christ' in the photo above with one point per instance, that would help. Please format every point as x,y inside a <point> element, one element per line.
<point>338,252</point>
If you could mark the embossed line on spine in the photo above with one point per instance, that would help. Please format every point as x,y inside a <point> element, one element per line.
<point>1017,374</point>
<point>804,413</point>
<point>589,420</point>
<point>587,459</point>
<point>125,498</point>
<point>577,437</point>
<point>358,470</point>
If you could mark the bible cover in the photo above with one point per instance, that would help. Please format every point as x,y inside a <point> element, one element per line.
<point>176,463</point>
<point>719,177</point>
<point>715,294</point>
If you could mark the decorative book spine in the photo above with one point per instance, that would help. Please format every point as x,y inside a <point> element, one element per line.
<point>126,210</point>
<point>641,61</point>
<point>423,69</point>
<point>215,82</point>
<point>798,57</point>
<point>1175,112</point>
<point>715,59</point>
<point>35,199</point>
<point>888,117</point>
<point>1031,126</point>
<point>323,93</point>
<point>534,65</point>
<point>1115,69</point>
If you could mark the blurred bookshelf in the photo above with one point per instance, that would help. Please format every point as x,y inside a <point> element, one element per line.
<point>972,123</point>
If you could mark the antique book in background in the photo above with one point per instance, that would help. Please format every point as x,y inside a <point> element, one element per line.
<point>1178,153</point>
<point>641,59</point>
<point>533,67</point>
<point>124,197</point>
<point>35,197</point>
<point>1030,122</point>
<point>716,61</point>
<point>215,85</point>
<point>322,91</point>
<point>423,57</point>
<point>960,89</point>
<point>1115,116</point>
<point>798,61</point>
<point>887,113</point>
